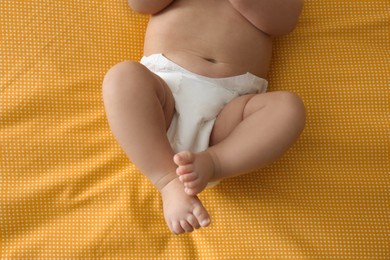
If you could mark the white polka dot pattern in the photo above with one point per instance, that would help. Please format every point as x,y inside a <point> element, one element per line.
<point>68,190</point>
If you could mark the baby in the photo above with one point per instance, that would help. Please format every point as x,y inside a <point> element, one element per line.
<point>194,111</point>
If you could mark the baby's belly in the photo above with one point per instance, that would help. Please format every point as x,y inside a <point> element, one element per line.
<point>219,44</point>
<point>209,66</point>
<point>215,66</point>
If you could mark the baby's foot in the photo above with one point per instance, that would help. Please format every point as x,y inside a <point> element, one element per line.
<point>183,213</point>
<point>195,170</point>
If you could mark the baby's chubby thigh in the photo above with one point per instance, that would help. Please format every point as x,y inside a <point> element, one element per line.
<point>136,80</point>
<point>229,118</point>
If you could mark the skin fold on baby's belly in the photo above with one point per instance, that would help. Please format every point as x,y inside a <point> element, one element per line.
<point>207,65</point>
<point>204,65</point>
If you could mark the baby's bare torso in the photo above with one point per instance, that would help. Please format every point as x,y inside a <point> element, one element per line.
<point>210,38</point>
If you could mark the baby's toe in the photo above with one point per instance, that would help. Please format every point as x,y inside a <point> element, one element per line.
<point>184,158</point>
<point>188,177</point>
<point>193,188</point>
<point>186,169</point>
<point>193,221</point>
<point>192,184</point>
<point>191,192</point>
<point>202,216</point>
<point>186,226</point>
<point>176,228</point>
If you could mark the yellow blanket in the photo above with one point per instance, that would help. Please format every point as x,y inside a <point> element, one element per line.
<point>68,190</point>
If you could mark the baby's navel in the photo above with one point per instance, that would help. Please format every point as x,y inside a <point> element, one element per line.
<point>210,60</point>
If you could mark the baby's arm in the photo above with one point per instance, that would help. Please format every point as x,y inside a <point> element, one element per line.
<point>149,6</point>
<point>274,17</point>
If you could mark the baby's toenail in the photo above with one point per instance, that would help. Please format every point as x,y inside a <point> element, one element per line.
<point>205,222</point>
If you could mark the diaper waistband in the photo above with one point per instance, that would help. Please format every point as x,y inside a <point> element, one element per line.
<point>245,83</point>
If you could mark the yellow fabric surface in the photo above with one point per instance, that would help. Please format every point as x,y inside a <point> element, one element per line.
<point>68,190</point>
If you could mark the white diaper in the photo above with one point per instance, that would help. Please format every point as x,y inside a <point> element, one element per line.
<point>198,100</point>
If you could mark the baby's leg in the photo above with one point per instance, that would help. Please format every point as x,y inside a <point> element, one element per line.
<point>140,107</point>
<point>250,132</point>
